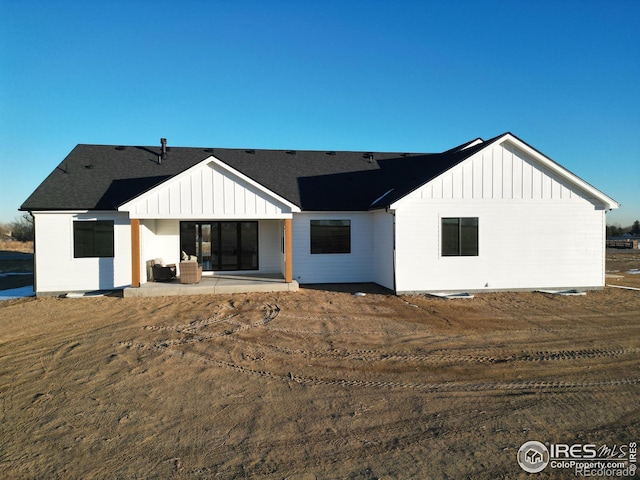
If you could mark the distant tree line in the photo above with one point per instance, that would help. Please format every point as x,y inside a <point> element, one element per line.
<point>20,229</point>
<point>617,230</point>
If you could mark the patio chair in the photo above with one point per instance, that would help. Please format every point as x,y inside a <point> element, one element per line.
<point>161,272</point>
<point>190,271</point>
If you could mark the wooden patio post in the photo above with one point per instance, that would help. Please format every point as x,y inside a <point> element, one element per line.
<point>288,240</point>
<point>135,252</point>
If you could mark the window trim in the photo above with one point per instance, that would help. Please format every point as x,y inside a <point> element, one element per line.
<point>92,253</point>
<point>314,249</point>
<point>460,248</point>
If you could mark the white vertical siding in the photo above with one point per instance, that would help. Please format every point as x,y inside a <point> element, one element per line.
<point>500,173</point>
<point>535,231</point>
<point>56,268</point>
<point>356,266</point>
<point>207,191</point>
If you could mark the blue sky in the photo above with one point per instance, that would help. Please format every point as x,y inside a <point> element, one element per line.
<point>342,75</point>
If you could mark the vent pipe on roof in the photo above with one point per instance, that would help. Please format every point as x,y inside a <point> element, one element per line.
<point>163,150</point>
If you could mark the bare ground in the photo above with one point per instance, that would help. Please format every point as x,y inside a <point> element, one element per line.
<point>314,384</point>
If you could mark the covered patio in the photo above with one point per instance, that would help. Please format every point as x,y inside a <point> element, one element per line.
<point>239,232</point>
<point>214,284</point>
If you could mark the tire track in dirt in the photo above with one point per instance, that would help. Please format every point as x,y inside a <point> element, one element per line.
<point>51,382</point>
<point>50,359</point>
<point>194,329</point>
<point>331,447</point>
<point>495,328</point>
<point>376,355</point>
<point>425,387</point>
<point>270,312</point>
<point>193,326</point>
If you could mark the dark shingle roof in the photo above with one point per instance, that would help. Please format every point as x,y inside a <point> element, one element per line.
<point>103,177</point>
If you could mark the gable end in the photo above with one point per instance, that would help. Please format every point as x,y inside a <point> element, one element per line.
<point>209,189</point>
<point>508,169</point>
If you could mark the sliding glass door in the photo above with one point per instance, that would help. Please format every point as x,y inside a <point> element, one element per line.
<point>221,245</point>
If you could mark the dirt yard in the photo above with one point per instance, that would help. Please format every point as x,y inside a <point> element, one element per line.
<point>314,384</point>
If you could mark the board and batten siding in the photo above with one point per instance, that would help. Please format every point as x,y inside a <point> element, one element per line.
<point>356,266</point>
<point>206,191</point>
<point>500,172</point>
<point>56,268</point>
<point>535,230</point>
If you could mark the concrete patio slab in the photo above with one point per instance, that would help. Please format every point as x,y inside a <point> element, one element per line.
<point>211,285</point>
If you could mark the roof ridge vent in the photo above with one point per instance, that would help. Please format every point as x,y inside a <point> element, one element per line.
<point>473,143</point>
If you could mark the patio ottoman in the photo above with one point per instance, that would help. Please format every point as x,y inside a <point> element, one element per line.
<point>190,272</point>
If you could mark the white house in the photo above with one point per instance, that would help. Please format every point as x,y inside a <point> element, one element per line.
<point>486,215</point>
